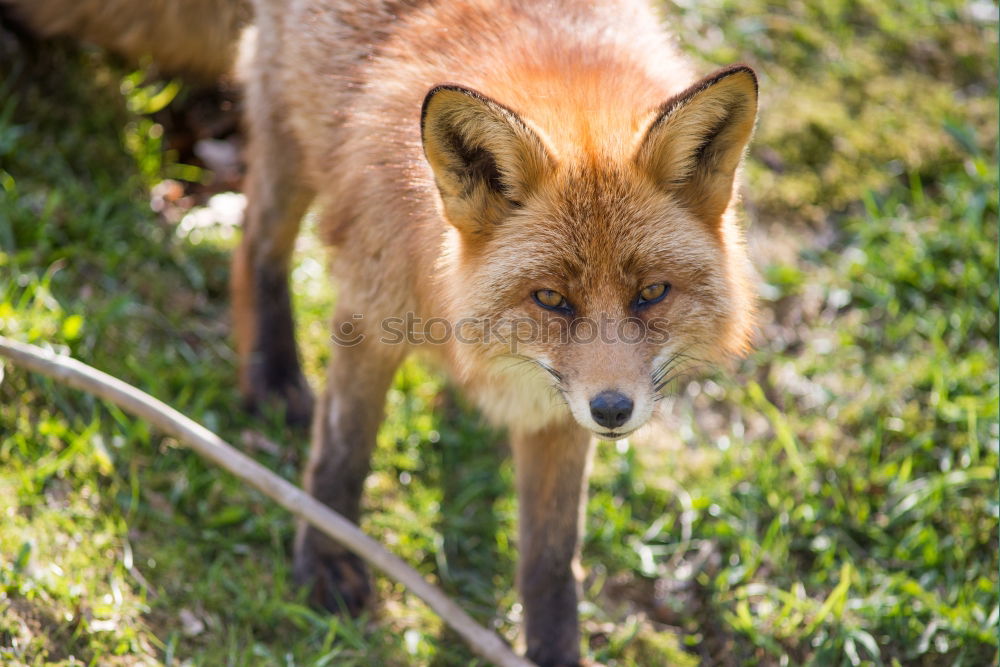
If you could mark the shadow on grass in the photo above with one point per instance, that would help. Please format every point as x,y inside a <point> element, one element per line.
<point>472,566</point>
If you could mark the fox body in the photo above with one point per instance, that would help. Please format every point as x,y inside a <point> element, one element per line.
<point>542,164</point>
<point>554,167</point>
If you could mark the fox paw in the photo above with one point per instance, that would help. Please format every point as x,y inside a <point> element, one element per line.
<point>293,395</point>
<point>570,662</point>
<point>337,582</point>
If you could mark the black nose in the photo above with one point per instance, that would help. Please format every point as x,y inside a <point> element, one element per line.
<point>611,408</point>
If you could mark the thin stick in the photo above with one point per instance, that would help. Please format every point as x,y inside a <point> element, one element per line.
<point>81,376</point>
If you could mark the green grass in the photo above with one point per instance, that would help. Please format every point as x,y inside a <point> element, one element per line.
<point>831,501</point>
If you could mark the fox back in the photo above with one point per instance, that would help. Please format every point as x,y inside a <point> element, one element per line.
<point>193,37</point>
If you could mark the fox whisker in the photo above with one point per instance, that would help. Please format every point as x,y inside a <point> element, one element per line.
<point>669,364</point>
<point>560,391</point>
<point>524,359</point>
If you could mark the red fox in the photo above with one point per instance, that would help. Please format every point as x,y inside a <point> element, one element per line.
<point>545,186</point>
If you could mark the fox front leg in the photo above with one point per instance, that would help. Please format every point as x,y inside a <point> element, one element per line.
<point>344,430</point>
<point>552,466</point>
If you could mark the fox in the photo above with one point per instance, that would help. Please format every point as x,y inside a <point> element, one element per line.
<point>548,182</point>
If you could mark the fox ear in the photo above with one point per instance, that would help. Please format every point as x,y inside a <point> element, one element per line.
<point>696,140</point>
<point>485,159</point>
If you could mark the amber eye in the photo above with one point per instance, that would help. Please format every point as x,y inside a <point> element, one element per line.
<point>652,293</point>
<point>550,299</point>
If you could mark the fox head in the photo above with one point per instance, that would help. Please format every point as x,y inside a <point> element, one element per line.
<point>614,269</point>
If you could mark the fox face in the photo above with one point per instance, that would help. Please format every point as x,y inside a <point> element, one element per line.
<point>611,270</point>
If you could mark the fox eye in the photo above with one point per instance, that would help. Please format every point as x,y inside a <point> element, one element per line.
<point>550,300</point>
<point>652,294</point>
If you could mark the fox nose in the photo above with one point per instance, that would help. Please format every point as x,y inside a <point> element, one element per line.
<point>611,409</point>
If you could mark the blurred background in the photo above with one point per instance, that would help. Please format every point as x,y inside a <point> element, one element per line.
<point>832,500</point>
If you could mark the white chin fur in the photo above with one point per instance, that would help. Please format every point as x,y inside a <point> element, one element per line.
<point>522,399</point>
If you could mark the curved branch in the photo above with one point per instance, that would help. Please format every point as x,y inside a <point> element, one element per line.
<point>81,376</point>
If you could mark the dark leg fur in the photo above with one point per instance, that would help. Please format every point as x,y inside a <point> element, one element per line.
<point>552,467</point>
<point>273,367</point>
